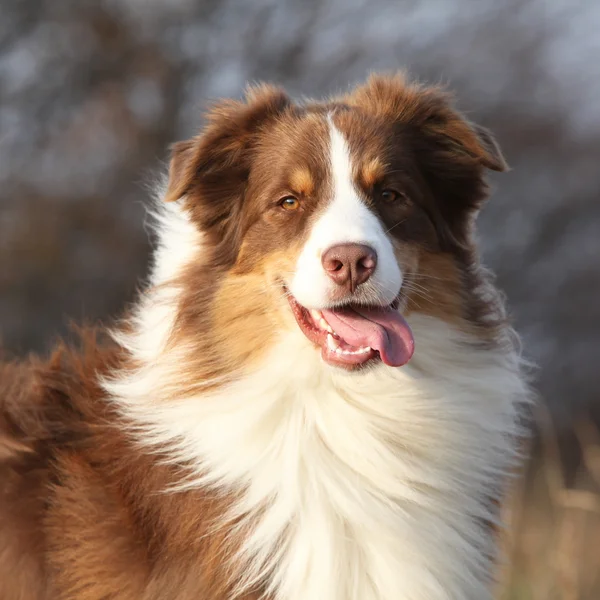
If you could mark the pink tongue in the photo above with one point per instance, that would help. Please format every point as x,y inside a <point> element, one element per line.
<point>383,329</point>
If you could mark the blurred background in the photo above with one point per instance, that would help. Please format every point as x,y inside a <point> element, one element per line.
<point>93,92</point>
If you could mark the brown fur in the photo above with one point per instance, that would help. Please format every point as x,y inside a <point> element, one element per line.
<point>301,182</point>
<point>82,508</point>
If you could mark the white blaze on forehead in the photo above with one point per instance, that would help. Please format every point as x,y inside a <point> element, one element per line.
<point>347,219</point>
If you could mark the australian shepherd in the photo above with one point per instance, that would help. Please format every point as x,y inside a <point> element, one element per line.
<point>316,397</point>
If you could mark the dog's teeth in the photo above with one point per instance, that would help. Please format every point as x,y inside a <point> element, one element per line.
<point>316,314</point>
<point>332,344</point>
<point>361,350</point>
<point>323,324</point>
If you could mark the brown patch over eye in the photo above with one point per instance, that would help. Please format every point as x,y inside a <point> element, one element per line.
<point>372,172</point>
<point>289,203</point>
<point>302,181</point>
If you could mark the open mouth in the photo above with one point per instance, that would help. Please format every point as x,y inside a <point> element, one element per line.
<point>350,336</point>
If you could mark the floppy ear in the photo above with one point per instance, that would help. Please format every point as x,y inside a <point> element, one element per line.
<point>429,109</point>
<point>179,167</point>
<point>210,171</point>
<point>491,157</point>
<point>463,141</point>
<point>225,141</point>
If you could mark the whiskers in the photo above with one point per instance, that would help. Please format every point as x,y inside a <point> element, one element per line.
<point>395,225</point>
<point>382,292</point>
<point>277,288</point>
<point>426,287</point>
<point>416,292</point>
<point>416,288</point>
<point>427,276</point>
<point>409,288</point>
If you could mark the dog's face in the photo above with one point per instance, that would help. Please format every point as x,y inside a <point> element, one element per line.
<point>347,215</point>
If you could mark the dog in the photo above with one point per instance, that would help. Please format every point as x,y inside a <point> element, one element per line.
<point>318,396</point>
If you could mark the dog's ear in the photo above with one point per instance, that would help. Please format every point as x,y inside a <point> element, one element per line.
<point>463,141</point>
<point>180,169</point>
<point>430,110</point>
<point>210,172</point>
<point>492,156</point>
<point>223,147</point>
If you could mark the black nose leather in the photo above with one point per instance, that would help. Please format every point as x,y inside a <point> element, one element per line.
<point>349,265</point>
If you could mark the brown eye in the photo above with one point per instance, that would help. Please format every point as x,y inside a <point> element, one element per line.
<point>289,203</point>
<point>391,196</point>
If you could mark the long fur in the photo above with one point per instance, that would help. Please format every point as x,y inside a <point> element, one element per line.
<point>341,471</point>
<point>208,450</point>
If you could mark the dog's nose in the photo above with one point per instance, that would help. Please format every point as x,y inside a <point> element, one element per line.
<point>349,265</point>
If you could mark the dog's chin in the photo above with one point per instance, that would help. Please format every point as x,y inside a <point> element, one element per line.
<point>352,336</point>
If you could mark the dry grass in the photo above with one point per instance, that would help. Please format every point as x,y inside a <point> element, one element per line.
<point>553,537</point>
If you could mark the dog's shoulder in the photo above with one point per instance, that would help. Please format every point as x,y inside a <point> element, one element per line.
<point>20,403</point>
<point>48,407</point>
<point>46,402</point>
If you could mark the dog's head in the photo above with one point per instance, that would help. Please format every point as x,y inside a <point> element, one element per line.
<point>347,215</point>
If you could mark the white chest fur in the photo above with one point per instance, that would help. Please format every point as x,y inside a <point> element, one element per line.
<point>369,486</point>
